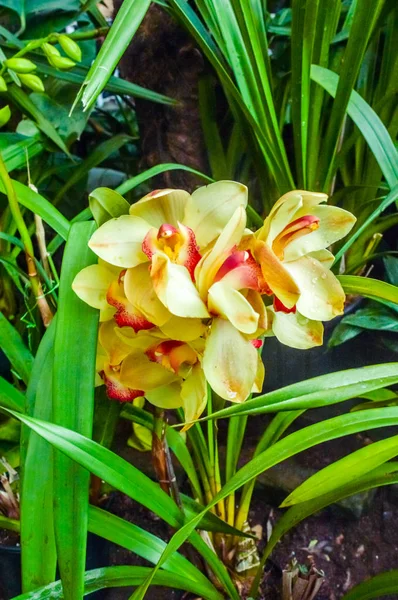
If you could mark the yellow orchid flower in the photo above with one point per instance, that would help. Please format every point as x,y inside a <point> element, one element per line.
<point>168,373</point>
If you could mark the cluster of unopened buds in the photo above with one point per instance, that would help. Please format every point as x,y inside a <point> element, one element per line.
<point>186,291</point>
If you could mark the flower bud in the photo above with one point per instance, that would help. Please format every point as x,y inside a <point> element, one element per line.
<point>3,85</point>
<point>20,65</point>
<point>70,47</point>
<point>33,82</point>
<point>61,62</point>
<point>5,115</point>
<point>50,50</point>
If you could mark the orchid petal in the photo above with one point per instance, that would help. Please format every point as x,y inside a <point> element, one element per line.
<point>167,396</point>
<point>260,374</point>
<point>210,208</point>
<point>119,241</point>
<point>183,329</point>
<point>276,275</point>
<point>139,290</point>
<point>139,372</point>
<point>321,295</point>
<point>325,257</point>
<point>91,285</point>
<point>212,261</point>
<point>126,314</point>
<point>112,344</point>
<point>229,362</point>
<point>115,389</point>
<point>296,331</point>
<point>174,287</point>
<point>232,305</point>
<point>161,206</point>
<point>334,223</point>
<point>194,395</point>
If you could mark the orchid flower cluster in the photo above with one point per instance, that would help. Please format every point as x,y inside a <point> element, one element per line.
<point>186,291</point>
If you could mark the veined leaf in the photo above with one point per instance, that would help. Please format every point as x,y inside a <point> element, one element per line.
<point>343,471</point>
<point>14,348</point>
<point>73,405</point>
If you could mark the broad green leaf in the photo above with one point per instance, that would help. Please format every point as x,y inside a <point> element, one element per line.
<point>134,182</point>
<point>120,34</point>
<point>39,556</point>
<point>370,288</point>
<point>368,122</point>
<point>384,475</point>
<point>391,266</point>
<point>14,348</point>
<point>10,397</point>
<point>40,206</point>
<point>376,317</point>
<point>318,391</point>
<point>342,333</point>
<point>125,576</point>
<point>344,471</point>
<point>379,586</point>
<point>106,204</point>
<point>73,406</point>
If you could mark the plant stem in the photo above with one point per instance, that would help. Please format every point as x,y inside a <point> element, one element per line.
<point>37,289</point>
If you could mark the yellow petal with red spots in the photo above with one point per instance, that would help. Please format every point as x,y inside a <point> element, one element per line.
<point>115,389</point>
<point>91,285</point>
<point>174,287</point>
<point>161,206</point>
<point>229,362</point>
<point>119,241</point>
<point>126,314</point>
<point>209,209</point>
<point>139,290</point>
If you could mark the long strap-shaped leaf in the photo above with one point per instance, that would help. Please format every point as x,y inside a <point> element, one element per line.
<point>14,348</point>
<point>114,577</point>
<point>368,122</point>
<point>73,406</point>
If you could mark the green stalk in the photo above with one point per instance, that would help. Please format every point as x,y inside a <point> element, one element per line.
<point>44,308</point>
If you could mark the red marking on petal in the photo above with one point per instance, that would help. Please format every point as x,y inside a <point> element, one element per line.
<point>280,307</point>
<point>150,243</point>
<point>116,391</point>
<point>294,230</point>
<point>126,315</point>
<point>166,231</point>
<point>244,272</point>
<point>188,254</point>
<point>256,343</point>
<point>171,354</point>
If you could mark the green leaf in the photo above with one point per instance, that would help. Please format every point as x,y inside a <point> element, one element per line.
<point>139,541</point>
<point>40,206</point>
<point>15,350</point>
<point>342,333</point>
<point>10,524</point>
<point>384,584</point>
<point>16,155</point>
<point>22,100</point>
<point>39,555</point>
<point>318,391</point>
<point>97,156</point>
<point>132,183</point>
<point>120,34</point>
<point>343,471</point>
<point>10,397</point>
<point>107,204</point>
<point>125,576</point>
<point>368,122</point>
<point>375,318</point>
<point>383,475</point>
<point>210,521</point>
<point>370,288</point>
<point>73,406</point>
